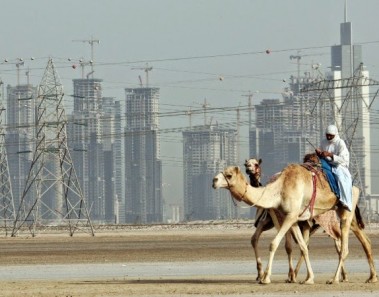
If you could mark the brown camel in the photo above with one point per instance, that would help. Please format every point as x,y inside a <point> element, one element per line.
<point>291,194</point>
<point>266,219</point>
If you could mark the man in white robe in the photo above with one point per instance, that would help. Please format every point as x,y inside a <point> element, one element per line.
<point>335,151</point>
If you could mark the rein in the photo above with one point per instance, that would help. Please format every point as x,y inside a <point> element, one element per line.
<point>314,182</point>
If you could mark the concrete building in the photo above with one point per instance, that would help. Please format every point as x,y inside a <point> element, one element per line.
<point>353,115</point>
<point>285,129</point>
<point>143,167</point>
<point>86,138</point>
<point>207,150</point>
<point>113,165</point>
<point>20,134</point>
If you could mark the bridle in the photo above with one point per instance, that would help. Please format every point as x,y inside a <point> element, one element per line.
<point>229,187</point>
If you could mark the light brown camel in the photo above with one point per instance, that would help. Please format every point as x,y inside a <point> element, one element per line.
<point>266,219</point>
<point>328,221</point>
<point>291,194</point>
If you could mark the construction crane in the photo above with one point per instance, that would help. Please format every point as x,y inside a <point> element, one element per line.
<point>92,43</point>
<point>147,68</point>
<point>18,62</point>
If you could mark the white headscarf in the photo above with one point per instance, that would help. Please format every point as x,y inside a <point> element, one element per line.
<point>332,130</point>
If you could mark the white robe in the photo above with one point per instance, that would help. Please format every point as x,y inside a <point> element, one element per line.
<point>340,167</point>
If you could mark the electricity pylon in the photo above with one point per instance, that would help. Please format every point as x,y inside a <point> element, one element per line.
<point>348,102</point>
<point>7,210</point>
<point>58,199</point>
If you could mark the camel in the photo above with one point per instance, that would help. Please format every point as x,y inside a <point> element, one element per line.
<point>291,195</point>
<point>267,219</point>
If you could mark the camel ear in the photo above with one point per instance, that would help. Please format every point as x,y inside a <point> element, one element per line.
<point>237,169</point>
<point>260,161</point>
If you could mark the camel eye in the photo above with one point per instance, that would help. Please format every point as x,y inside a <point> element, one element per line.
<point>228,176</point>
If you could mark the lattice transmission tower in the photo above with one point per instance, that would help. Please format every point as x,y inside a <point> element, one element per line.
<point>7,209</point>
<point>347,103</point>
<point>57,199</point>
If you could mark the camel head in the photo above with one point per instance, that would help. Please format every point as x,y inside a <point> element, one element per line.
<point>230,177</point>
<point>233,180</point>
<point>252,167</point>
<point>311,158</point>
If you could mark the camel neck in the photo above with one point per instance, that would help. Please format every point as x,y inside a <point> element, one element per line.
<point>264,197</point>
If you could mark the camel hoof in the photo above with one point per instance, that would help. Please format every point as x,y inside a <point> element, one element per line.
<point>291,281</point>
<point>265,281</point>
<point>373,279</point>
<point>308,282</point>
<point>332,281</point>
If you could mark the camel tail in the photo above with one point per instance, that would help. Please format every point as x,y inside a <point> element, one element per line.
<point>358,215</point>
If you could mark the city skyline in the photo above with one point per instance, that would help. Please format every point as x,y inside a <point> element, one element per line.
<point>186,65</point>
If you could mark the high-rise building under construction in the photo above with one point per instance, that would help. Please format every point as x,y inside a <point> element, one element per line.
<point>352,101</point>
<point>286,129</point>
<point>207,150</point>
<point>86,137</point>
<point>143,167</point>
<point>20,134</point>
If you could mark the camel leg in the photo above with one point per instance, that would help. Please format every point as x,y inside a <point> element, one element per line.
<point>304,251</point>
<point>288,247</point>
<point>366,244</point>
<point>254,243</point>
<point>287,224</point>
<point>337,245</point>
<point>346,219</point>
<point>306,234</point>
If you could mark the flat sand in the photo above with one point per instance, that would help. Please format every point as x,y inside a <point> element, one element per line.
<point>185,243</point>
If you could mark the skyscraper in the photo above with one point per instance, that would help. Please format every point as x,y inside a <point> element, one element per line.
<point>353,115</point>
<point>285,129</point>
<point>20,134</point>
<point>113,173</point>
<point>87,142</point>
<point>143,168</point>
<point>205,151</point>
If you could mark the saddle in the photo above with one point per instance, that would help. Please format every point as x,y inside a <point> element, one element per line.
<point>320,166</point>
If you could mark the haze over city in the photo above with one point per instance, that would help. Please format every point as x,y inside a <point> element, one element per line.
<point>214,50</point>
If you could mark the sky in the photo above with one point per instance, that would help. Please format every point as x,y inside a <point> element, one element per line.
<point>213,50</point>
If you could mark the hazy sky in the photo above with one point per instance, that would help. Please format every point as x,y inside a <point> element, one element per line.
<point>190,44</point>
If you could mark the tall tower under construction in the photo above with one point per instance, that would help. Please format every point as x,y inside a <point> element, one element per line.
<point>87,142</point>
<point>20,111</point>
<point>113,166</point>
<point>207,150</point>
<point>143,167</point>
<point>352,101</point>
